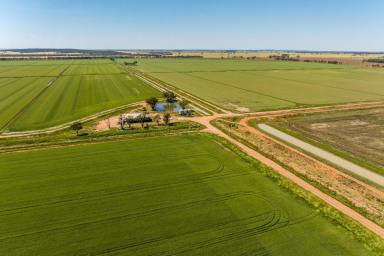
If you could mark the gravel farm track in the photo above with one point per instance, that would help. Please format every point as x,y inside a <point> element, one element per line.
<point>361,171</point>
<point>206,121</point>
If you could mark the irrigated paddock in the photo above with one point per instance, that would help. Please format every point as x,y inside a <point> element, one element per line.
<point>41,94</point>
<point>183,195</point>
<point>253,85</point>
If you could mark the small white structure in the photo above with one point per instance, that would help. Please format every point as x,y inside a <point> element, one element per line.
<point>133,115</point>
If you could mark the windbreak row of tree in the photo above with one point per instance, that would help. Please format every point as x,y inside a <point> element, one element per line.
<point>379,60</point>
<point>285,57</point>
<point>133,63</point>
<point>324,61</point>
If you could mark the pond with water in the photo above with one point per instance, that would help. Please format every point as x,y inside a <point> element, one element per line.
<point>160,107</point>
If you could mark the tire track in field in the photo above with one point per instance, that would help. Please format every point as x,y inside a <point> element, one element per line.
<point>145,187</point>
<point>150,212</point>
<point>142,187</point>
<point>275,222</point>
<point>264,219</point>
<point>255,225</point>
<point>33,100</point>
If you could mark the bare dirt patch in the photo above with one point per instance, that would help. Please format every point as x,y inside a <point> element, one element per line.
<point>319,126</point>
<point>108,124</point>
<point>359,133</point>
<point>237,108</point>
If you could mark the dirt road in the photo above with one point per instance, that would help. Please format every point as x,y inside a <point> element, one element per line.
<point>206,120</point>
<point>345,164</point>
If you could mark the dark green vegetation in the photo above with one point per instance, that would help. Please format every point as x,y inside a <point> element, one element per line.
<point>252,85</point>
<point>381,60</point>
<point>169,195</point>
<point>354,135</point>
<point>40,94</point>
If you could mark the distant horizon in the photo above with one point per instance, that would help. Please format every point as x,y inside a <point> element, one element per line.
<point>197,50</point>
<point>299,25</point>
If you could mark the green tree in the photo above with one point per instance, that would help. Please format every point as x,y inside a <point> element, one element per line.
<point>156,119</point>
<point>77,126</point>
<point>183,104</point>
<point>121,122</point>
<point>129,121</point>
<point>170,97</point>
<point>152,102</point>
<point>143,117</point>
<point>167,118</point>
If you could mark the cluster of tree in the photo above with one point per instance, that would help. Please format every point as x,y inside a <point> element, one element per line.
<point>152,102</point>
<point>284,56</point>
<point>170,97</point>
<point>76,126</point>
<point>324,61</point>
<point>183,103</point>
<point>187,56</point>
<point>143,119</point>
<point>133,63</point>
<point>381,60</point>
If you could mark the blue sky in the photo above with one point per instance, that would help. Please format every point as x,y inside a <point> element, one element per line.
<point>198,24</point>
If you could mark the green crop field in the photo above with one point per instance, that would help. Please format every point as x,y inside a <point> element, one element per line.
<point>252,85</point>
<point>183,195</point>
<point>42,94</point>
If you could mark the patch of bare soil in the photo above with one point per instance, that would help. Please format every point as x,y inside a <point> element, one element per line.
<point>108,124</point>
<point>359,133</point>
<point>238,108</point>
